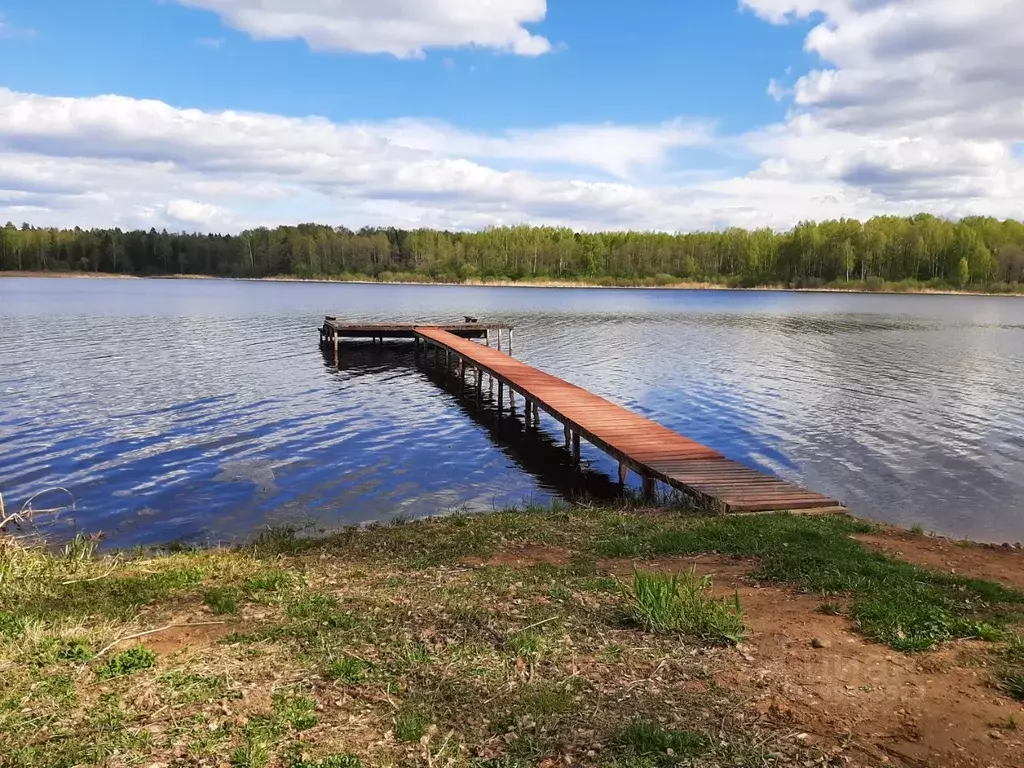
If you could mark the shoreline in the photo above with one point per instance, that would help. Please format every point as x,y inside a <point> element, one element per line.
<point>554,284</point>
<point>521,637</point>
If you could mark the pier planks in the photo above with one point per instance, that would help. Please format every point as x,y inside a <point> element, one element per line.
<point>650,449</point>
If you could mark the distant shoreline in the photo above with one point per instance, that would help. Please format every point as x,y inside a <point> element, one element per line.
<point>677,286</point>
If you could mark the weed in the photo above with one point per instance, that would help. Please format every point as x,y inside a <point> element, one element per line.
<point>416,653</point>
<point>333,761</point>
<point>683,603</point>
<point>647,738</point>
<point>347,669</point>
<point>11,625</point>
<point>1010,723</point>
<point>831,608</point>
<point>560,592</point>
<point>192,688</point>
<point>322,610</point>
<point>255,753</point>
<point>222,601</point>
<point>296,711</point>
<point>279,540</point>
<point>75,651</point>
<point>1013,684</point>
<point>525,644</point>
<point>127,662</point>
<point>410,724</point>
<point>917,529</point>
<point>80,549</point>
<point>271,581</point>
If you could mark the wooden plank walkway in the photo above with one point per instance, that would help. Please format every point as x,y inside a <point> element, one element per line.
<point>650,449</point>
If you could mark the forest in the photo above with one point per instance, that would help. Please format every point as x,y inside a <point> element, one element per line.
<point>884,253</point>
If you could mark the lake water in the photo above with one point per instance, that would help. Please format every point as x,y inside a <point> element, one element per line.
<point>202,410</point>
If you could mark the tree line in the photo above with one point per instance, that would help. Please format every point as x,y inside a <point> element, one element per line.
<point>976,252</point>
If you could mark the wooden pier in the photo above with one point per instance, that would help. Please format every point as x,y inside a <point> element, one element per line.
<point>651,450</point>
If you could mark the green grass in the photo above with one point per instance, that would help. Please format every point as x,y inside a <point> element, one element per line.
<point>270,581</point>
<point>1011,668</point>
<point>894,602</point>
<point>298,712</point>
<point>347,670</point>
<point>222,601</point>
<point>644,738</point>
<point>192,687</point>
<point>333,761</point>
<point>321,611</point>
<point>389,629</point>
<point>683,603</point>
<point>411,724</point>
<point>527,644</point>
<point>127,662</point>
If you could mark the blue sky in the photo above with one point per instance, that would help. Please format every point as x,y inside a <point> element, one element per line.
<point>466,113</point>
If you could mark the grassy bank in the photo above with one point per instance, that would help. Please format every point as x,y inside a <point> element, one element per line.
<point>571,636</point>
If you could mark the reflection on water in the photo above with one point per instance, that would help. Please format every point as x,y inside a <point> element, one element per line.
<point>204,409</point>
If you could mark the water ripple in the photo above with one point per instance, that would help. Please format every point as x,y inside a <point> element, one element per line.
<point>202,410</point>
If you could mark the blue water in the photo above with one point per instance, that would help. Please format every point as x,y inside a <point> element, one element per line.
<point>202,410</point>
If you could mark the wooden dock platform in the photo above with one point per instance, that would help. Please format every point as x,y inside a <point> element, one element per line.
<point>655,452</point>
<point>651,450</point>
<point>334,330</point>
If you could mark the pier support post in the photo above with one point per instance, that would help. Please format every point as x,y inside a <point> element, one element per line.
<point>623,473</point>
<point>568,437</point>
<point>536,415</point>
<point>337,359</point>
<point>576,448</point>
<point>528,412</point>
<point>501,398</point>
<point>510,342</point>
<point>649,486</point>
<point>487,337</point>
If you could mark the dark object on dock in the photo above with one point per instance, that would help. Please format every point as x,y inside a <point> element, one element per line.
<point>471,319</point>
<point>654,452</point>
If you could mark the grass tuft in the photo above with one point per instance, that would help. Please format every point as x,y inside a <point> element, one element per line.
<point>347,669</point>
<point>411,724</point>
<point>683,603</point>
<point>127,662</point>
<point>298,712</point>
<point>222,601</point>
<point>333,761</point>
<point>646,738</point>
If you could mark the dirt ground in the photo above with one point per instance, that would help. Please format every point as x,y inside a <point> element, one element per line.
<point>811,671</point>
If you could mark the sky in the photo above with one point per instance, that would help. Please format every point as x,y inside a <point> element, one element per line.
<point>671,115</point>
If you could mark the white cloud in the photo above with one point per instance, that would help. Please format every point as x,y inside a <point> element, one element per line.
<point>918,102</point>
<point>254,167</point>
<point>194,214</point>
<point>402,28</point>
<point>210,42</point>
<point>918,105</point>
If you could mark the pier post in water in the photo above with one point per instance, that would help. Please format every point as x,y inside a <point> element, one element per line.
<point>623,472</point>
<point>576,447</point>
